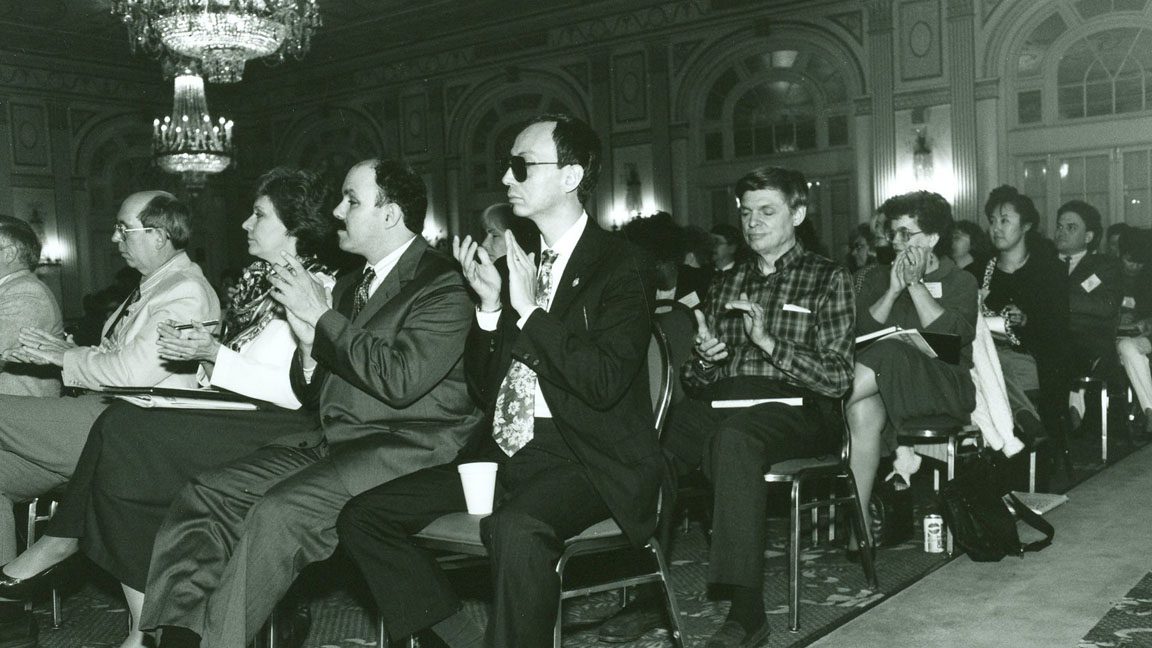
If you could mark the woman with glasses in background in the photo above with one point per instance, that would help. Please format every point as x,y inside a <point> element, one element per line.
<point>895,382</point>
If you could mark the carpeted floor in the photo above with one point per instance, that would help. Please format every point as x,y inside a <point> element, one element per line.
<point>1128,623</point>
<point>833,589</point>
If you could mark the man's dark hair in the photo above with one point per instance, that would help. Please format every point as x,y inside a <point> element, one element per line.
<point>730,233</point>
<point>1117,229</point>
<point>932,213</point>
<point>397,182</point>
<point>167,212</point>
<point>791,184</point>
<point>576,143</point>
<point>1091,217</point>
<point>299,199</point>
<point>21,236</point>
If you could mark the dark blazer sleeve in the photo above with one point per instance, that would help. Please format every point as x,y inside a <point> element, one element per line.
<point>401,369</point>
<point>596,365</point>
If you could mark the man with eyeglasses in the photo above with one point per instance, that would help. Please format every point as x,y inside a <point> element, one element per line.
<point>41,438</point>
<point>557,354</point>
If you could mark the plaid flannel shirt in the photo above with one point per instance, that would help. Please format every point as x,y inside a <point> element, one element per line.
<point>810,313</point>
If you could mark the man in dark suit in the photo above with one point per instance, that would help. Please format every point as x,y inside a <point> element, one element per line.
<point>384,368</point>
<point>1095,291</point>
<point>559,357</point>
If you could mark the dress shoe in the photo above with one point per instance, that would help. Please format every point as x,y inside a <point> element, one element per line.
<point>21,589</point>
<point>733,635</point>
<point>634,621</point>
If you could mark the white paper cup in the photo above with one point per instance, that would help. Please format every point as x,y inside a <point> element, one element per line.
<point>479,482</point>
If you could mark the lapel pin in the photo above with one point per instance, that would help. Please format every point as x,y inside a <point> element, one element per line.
<point>576,282</point>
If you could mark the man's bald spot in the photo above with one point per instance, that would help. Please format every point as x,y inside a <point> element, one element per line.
<point>139,200</point>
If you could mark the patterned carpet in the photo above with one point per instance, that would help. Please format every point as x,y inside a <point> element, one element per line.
<point>1128,624</point>
<point>833,589</point>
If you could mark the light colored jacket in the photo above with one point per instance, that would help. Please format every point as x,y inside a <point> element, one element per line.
<point>128,355</point>
<point>26,301</point>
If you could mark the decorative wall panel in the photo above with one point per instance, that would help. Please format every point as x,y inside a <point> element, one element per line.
<point>629,88</point>
<point>920,50</point>
<point>30,147</point>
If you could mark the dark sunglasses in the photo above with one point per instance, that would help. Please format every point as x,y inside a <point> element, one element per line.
<point>520,166</point>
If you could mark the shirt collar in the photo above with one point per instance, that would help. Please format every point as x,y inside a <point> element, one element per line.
<point>178,262</point>
<point>1076,258</point>
<point>567,241</point>
<point>786,260</point>
<point>385,265</point>
<point>12,276</point>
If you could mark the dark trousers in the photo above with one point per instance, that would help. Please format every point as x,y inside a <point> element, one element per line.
<point>736,448</point>
<point>544,497</point>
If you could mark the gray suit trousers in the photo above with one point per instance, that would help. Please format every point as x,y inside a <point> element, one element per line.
<point>40,443</point>
<point>236,538</point>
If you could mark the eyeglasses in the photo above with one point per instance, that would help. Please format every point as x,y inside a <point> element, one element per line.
<point>520,166</point>
<point>903,234</point>
<point>121,230</point>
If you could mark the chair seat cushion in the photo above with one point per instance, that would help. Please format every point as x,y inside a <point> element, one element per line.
<point>796,466</point>
<point>463,528</point>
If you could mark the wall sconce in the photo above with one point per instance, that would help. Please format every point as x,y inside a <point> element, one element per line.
<point>51,252</point>
<point>921,157</point>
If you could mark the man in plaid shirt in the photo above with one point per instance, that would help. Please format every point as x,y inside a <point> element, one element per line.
<point>779,324</point>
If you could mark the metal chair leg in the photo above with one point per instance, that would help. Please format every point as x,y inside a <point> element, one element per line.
<point>1104,423</point>
<point>669,596</point>
<point>794,562</point>
<point>863,534</point>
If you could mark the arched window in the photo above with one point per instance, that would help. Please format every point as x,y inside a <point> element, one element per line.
<point>1108,72</point>
<point>777,102</point>
<point>495,131</point>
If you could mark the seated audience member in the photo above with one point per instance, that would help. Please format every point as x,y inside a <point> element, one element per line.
<point>1025,294</point>
<point>665,243</point>
<point>698,247</point>
<point>861,248</point>
<point>971,248</point>
<point>1135,342</point>
<point>25,302</point>
<point>572,428</point>
<point>499,218</point>
<point>894,381</point>
<point>108,513</point>
<point>778,324</point>
<point>727,243</point>
<point>1093,297</point>
<point>1112,237</point>
<point>384,369</point>
<point>41,438</point>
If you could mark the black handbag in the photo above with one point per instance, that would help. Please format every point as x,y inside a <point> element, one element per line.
<point>974,508</point>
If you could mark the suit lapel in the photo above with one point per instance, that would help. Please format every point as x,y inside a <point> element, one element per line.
<point>396,279</point>
<point>585,257</point>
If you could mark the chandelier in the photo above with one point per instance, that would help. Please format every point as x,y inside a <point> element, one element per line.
<point>222,34</point>
<point>187,142</point>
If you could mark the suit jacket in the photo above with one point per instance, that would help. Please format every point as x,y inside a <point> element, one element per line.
<point>1095,291</point>
<point>128,354</point>
<point>26,301</point>
<point>589,352</point>
<point>390,386</point>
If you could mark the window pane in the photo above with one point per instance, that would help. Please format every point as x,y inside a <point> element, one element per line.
<point>1028,108</point>
<point>1098,99</point>
<point>838,130</point>
<point>743,142</point>
<point>1096,186</point>
<point>1035,184</point>
<point>1071,172</point>
<point>1137,198</point>
<point>1070,101</point>
<point>806,134</point>
<point>713,146</point>
<point>1130,93</point>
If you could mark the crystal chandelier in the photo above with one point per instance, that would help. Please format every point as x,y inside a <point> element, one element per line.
<point>222,34</point>
<point>187,142</point>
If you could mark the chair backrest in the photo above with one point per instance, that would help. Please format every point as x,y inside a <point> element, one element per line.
<point>679,326</point>
<point>660,378</point>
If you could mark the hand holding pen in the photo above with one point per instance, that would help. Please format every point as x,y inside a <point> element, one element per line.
<point>192,341</point>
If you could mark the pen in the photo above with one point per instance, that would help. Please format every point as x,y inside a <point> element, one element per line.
<point>185,327</point>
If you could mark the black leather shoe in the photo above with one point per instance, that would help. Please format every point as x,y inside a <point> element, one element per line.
<point>634,621</point>
<point>733,635</point>
<point>20,589</point>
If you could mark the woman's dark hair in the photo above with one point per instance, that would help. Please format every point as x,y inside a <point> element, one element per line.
<point>931,212</point>
<point>1136,244</point>
<point>979,245</point>
<point>299,198</point>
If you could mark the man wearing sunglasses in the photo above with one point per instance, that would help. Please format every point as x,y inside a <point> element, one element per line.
<point>557,354</point>
<point>41,438</point>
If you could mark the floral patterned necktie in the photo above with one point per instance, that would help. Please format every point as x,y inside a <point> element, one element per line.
<point>362,291</point>
<point>516,400</point>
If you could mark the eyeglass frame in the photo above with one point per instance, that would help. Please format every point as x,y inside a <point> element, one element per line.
<point>121,230</point>
<point>902,234</point>
<point>521,174</point>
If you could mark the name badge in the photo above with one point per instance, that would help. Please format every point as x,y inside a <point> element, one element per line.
<point>1129,302</point>
<point>691,300</point>
<point>1090,283</point>
<point>935,288</point>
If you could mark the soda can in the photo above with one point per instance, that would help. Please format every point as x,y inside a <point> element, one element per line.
<point>933,534</point>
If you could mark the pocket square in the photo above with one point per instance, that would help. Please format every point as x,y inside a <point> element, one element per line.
<point>576,282</point>
<point>793,308</point>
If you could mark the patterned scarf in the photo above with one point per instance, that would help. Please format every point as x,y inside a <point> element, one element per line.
<point>251,306</point>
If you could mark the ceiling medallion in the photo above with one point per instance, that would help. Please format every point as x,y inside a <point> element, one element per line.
<point>222,34</point>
